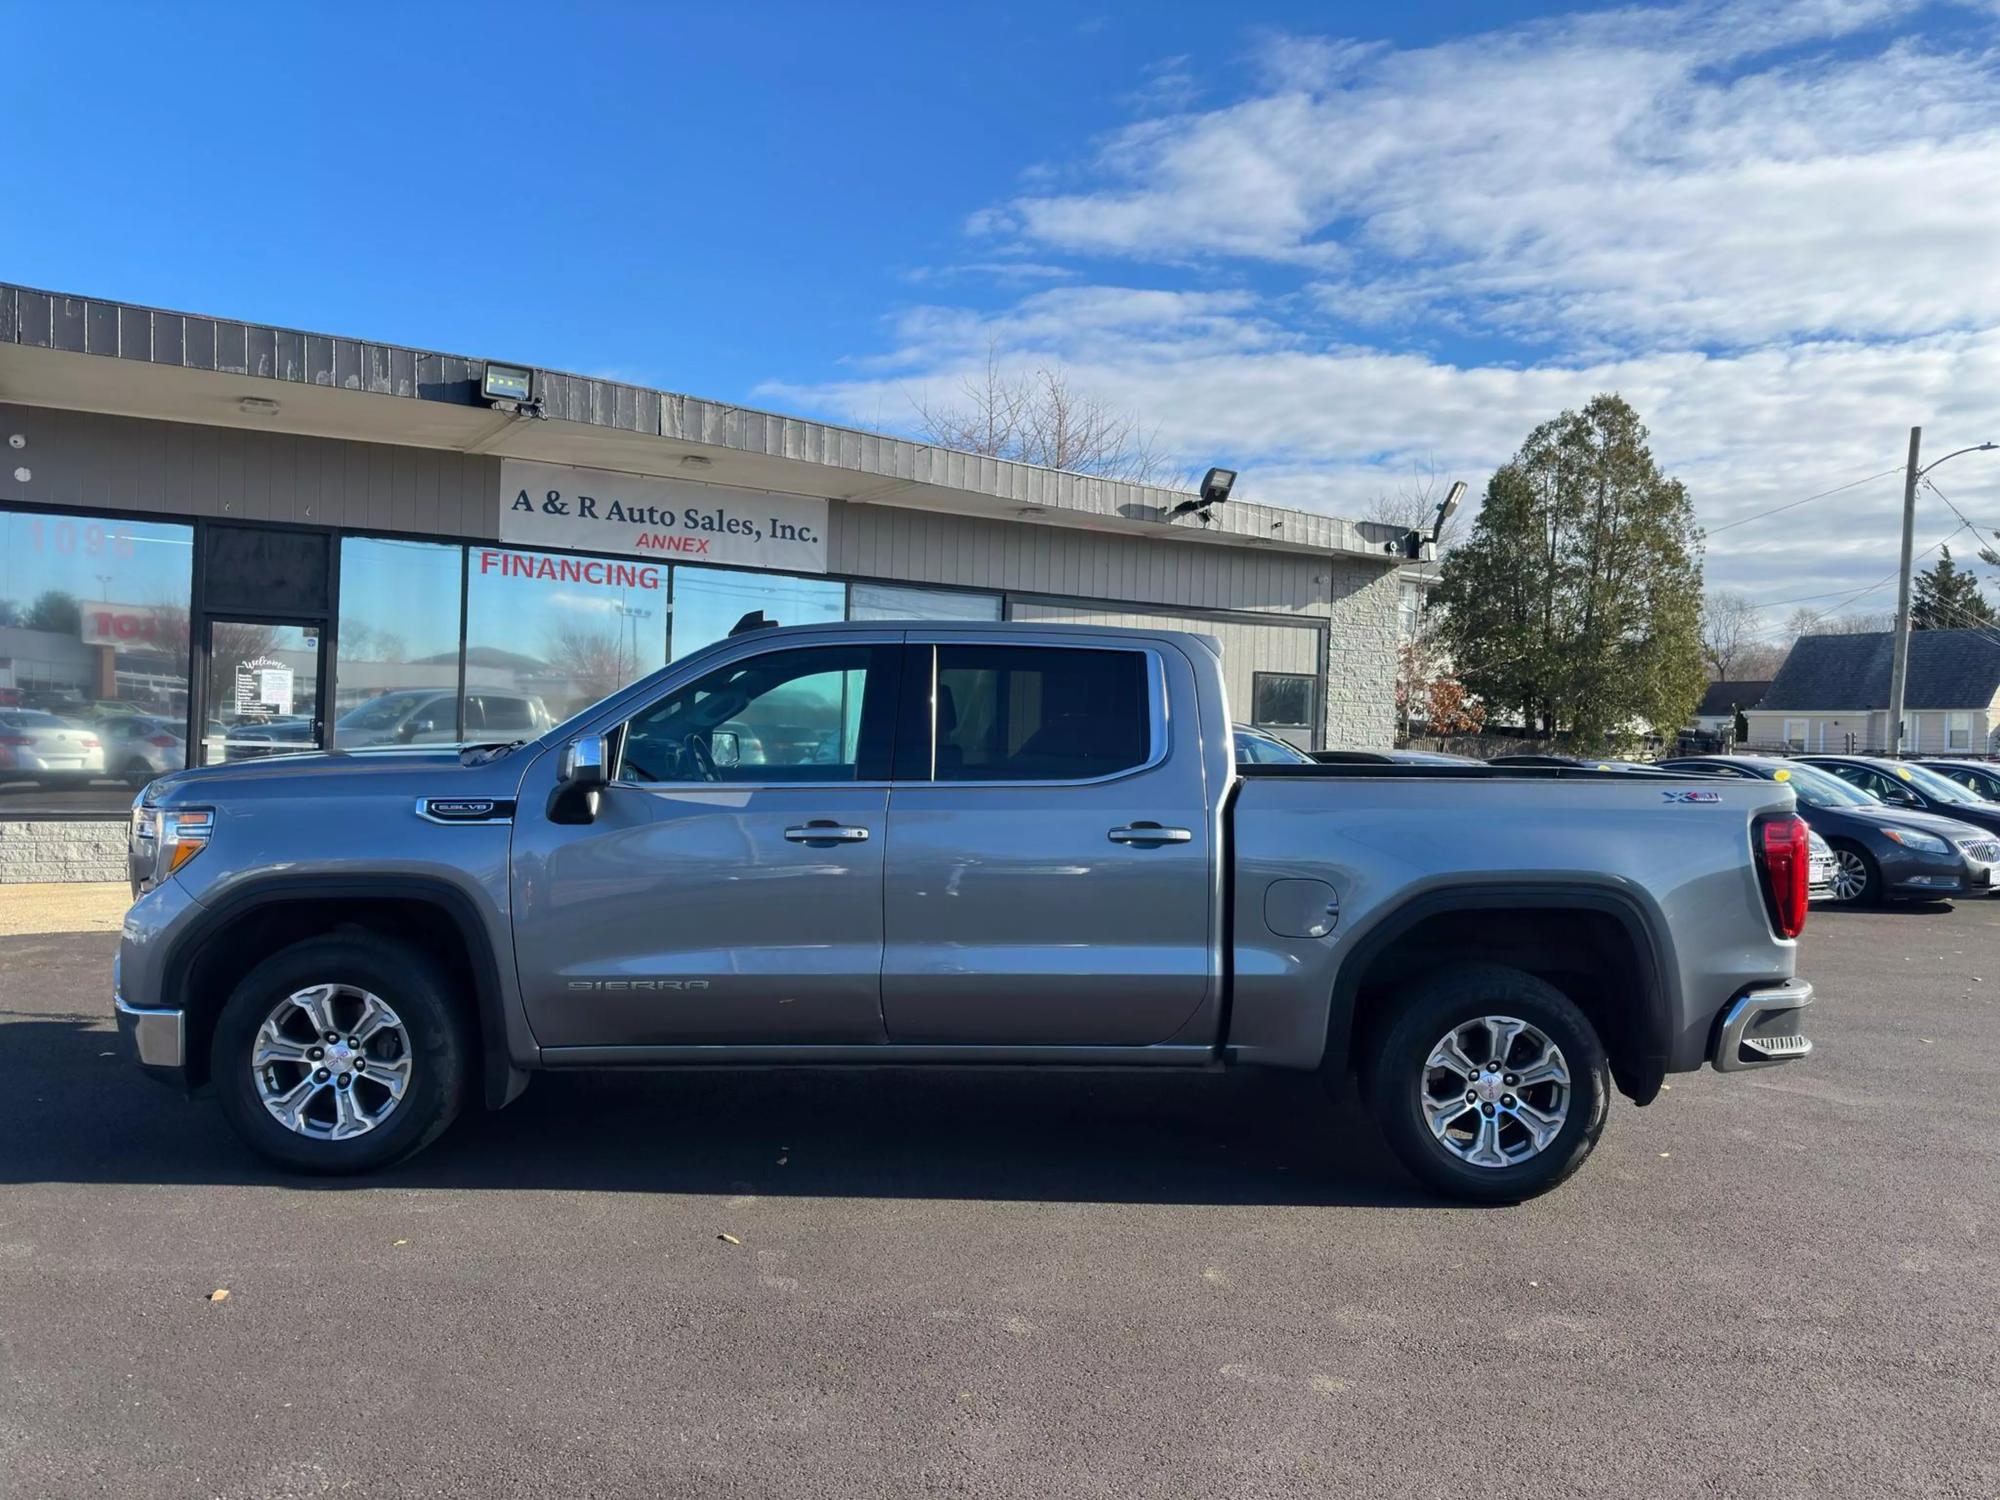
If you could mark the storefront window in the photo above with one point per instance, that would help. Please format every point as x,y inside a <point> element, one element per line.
<point>1281,700</point>
<point>709,601</point>
<point>93,659</point>
<point>889,601</point>
<point>547,633</point>
<point>396,680</point>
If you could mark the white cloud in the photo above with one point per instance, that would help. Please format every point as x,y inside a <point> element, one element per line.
<point>1772,227</point>
<point>1631,175</point>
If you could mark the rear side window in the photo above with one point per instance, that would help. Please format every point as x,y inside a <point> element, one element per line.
<point>502,712</point>
<point>1030,713</point>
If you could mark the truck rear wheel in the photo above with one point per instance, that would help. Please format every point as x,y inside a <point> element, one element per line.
<point>341,1054</point>
<point>1490,1084</point>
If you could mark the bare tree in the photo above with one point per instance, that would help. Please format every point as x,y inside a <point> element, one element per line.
<point>1803,621</point>
<point>594,662</point>
<point>1728,633</point>
<point>1042,418</point>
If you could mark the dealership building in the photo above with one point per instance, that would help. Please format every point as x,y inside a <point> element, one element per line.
<point>220,539</point>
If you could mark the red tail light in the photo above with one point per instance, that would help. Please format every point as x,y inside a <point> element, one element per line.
<point>15,739</point>
<point>164,741</point>
<point>1784,857</point>
<point>90,742</point>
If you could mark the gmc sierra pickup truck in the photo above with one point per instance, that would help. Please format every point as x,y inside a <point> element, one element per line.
<point>942,844</point>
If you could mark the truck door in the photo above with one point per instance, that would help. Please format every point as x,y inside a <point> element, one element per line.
<point>1050,862</point>
<point>729,890</point>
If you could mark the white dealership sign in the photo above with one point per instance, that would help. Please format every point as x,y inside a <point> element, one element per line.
<point>671,520</point>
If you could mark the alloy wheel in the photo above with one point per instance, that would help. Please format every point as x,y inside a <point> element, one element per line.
<point>1495,1091</point>
<point>1850,875</point>
<point>331,1062</point>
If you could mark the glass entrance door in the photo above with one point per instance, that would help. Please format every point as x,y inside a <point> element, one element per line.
<point>263,690</point>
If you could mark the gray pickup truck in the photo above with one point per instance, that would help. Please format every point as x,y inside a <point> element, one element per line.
<point>933,845</point>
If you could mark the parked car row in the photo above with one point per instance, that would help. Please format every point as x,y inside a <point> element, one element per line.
<point>1883,830</point>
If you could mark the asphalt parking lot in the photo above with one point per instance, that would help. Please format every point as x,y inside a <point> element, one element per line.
<point>988,1284</point>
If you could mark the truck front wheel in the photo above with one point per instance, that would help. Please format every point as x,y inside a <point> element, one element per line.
<point>1490,1084</point>
<point>341,1054</point>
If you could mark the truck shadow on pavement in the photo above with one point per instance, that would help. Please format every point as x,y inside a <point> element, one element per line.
<point>72,1109</point>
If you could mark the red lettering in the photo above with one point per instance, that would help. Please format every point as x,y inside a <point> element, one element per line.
<point>593,572</point>
<point>486,562</point>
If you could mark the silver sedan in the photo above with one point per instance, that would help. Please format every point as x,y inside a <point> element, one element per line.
<point>38,746</point>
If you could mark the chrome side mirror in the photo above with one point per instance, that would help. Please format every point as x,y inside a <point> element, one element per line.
<point>580,775</point>
<point>584,763</point>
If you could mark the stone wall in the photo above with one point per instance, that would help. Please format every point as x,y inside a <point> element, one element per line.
<point>57,851</point>
<point>1361,671</point>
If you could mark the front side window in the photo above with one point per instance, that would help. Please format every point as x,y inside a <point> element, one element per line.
<point>818,714</point>
<point>1281,700</point>
<point>1030,713</point>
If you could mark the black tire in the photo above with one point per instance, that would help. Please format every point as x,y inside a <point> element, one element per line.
<point>441,1049</point>
<point>138,775</point>
<point>1433,1006</point>
<point>1871,892</point>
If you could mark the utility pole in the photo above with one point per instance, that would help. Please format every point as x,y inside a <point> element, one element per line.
<point>1899,670</point>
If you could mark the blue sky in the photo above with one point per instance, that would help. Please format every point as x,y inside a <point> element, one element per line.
<point>1342,246</point>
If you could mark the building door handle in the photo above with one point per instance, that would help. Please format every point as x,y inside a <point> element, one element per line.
<point>1150,833</point>
<point>825,831</point>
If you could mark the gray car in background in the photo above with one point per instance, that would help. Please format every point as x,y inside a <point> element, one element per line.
<point>138,747</point>
<point>428,716</point>
<point>1022,845</point>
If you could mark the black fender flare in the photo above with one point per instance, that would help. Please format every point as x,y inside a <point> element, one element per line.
<point>1640,1074</point>
<point>503,1079</point>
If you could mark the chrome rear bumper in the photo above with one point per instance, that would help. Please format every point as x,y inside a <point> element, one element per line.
<point>1762,1028</point>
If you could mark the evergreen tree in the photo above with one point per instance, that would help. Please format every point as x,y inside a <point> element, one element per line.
<point>1948,598</point>
<point>1577,598</point>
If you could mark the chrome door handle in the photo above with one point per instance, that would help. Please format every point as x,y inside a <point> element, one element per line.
<point>826,831</point>
<point>1150,833</point>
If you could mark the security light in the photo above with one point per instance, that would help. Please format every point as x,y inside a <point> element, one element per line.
<point>508,383</point>
<point>1447,507</point>
<point>1215,487</point>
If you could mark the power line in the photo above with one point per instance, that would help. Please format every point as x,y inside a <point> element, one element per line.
<point>1848,598</point>
<point>1795,504</point>
<point>1970,525</point>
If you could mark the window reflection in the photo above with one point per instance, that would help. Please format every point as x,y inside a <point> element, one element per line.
<point>547,633</point>
<point>709,601</point>
<point>396,679</point>
<point>93,659</point>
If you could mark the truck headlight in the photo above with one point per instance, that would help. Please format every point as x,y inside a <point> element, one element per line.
<point>164,840</point>
<point>1923,843</point>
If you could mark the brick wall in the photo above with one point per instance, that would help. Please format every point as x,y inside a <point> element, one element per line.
<point>59,851</point>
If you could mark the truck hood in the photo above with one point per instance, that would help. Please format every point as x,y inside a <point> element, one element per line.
<point>436,770</point>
